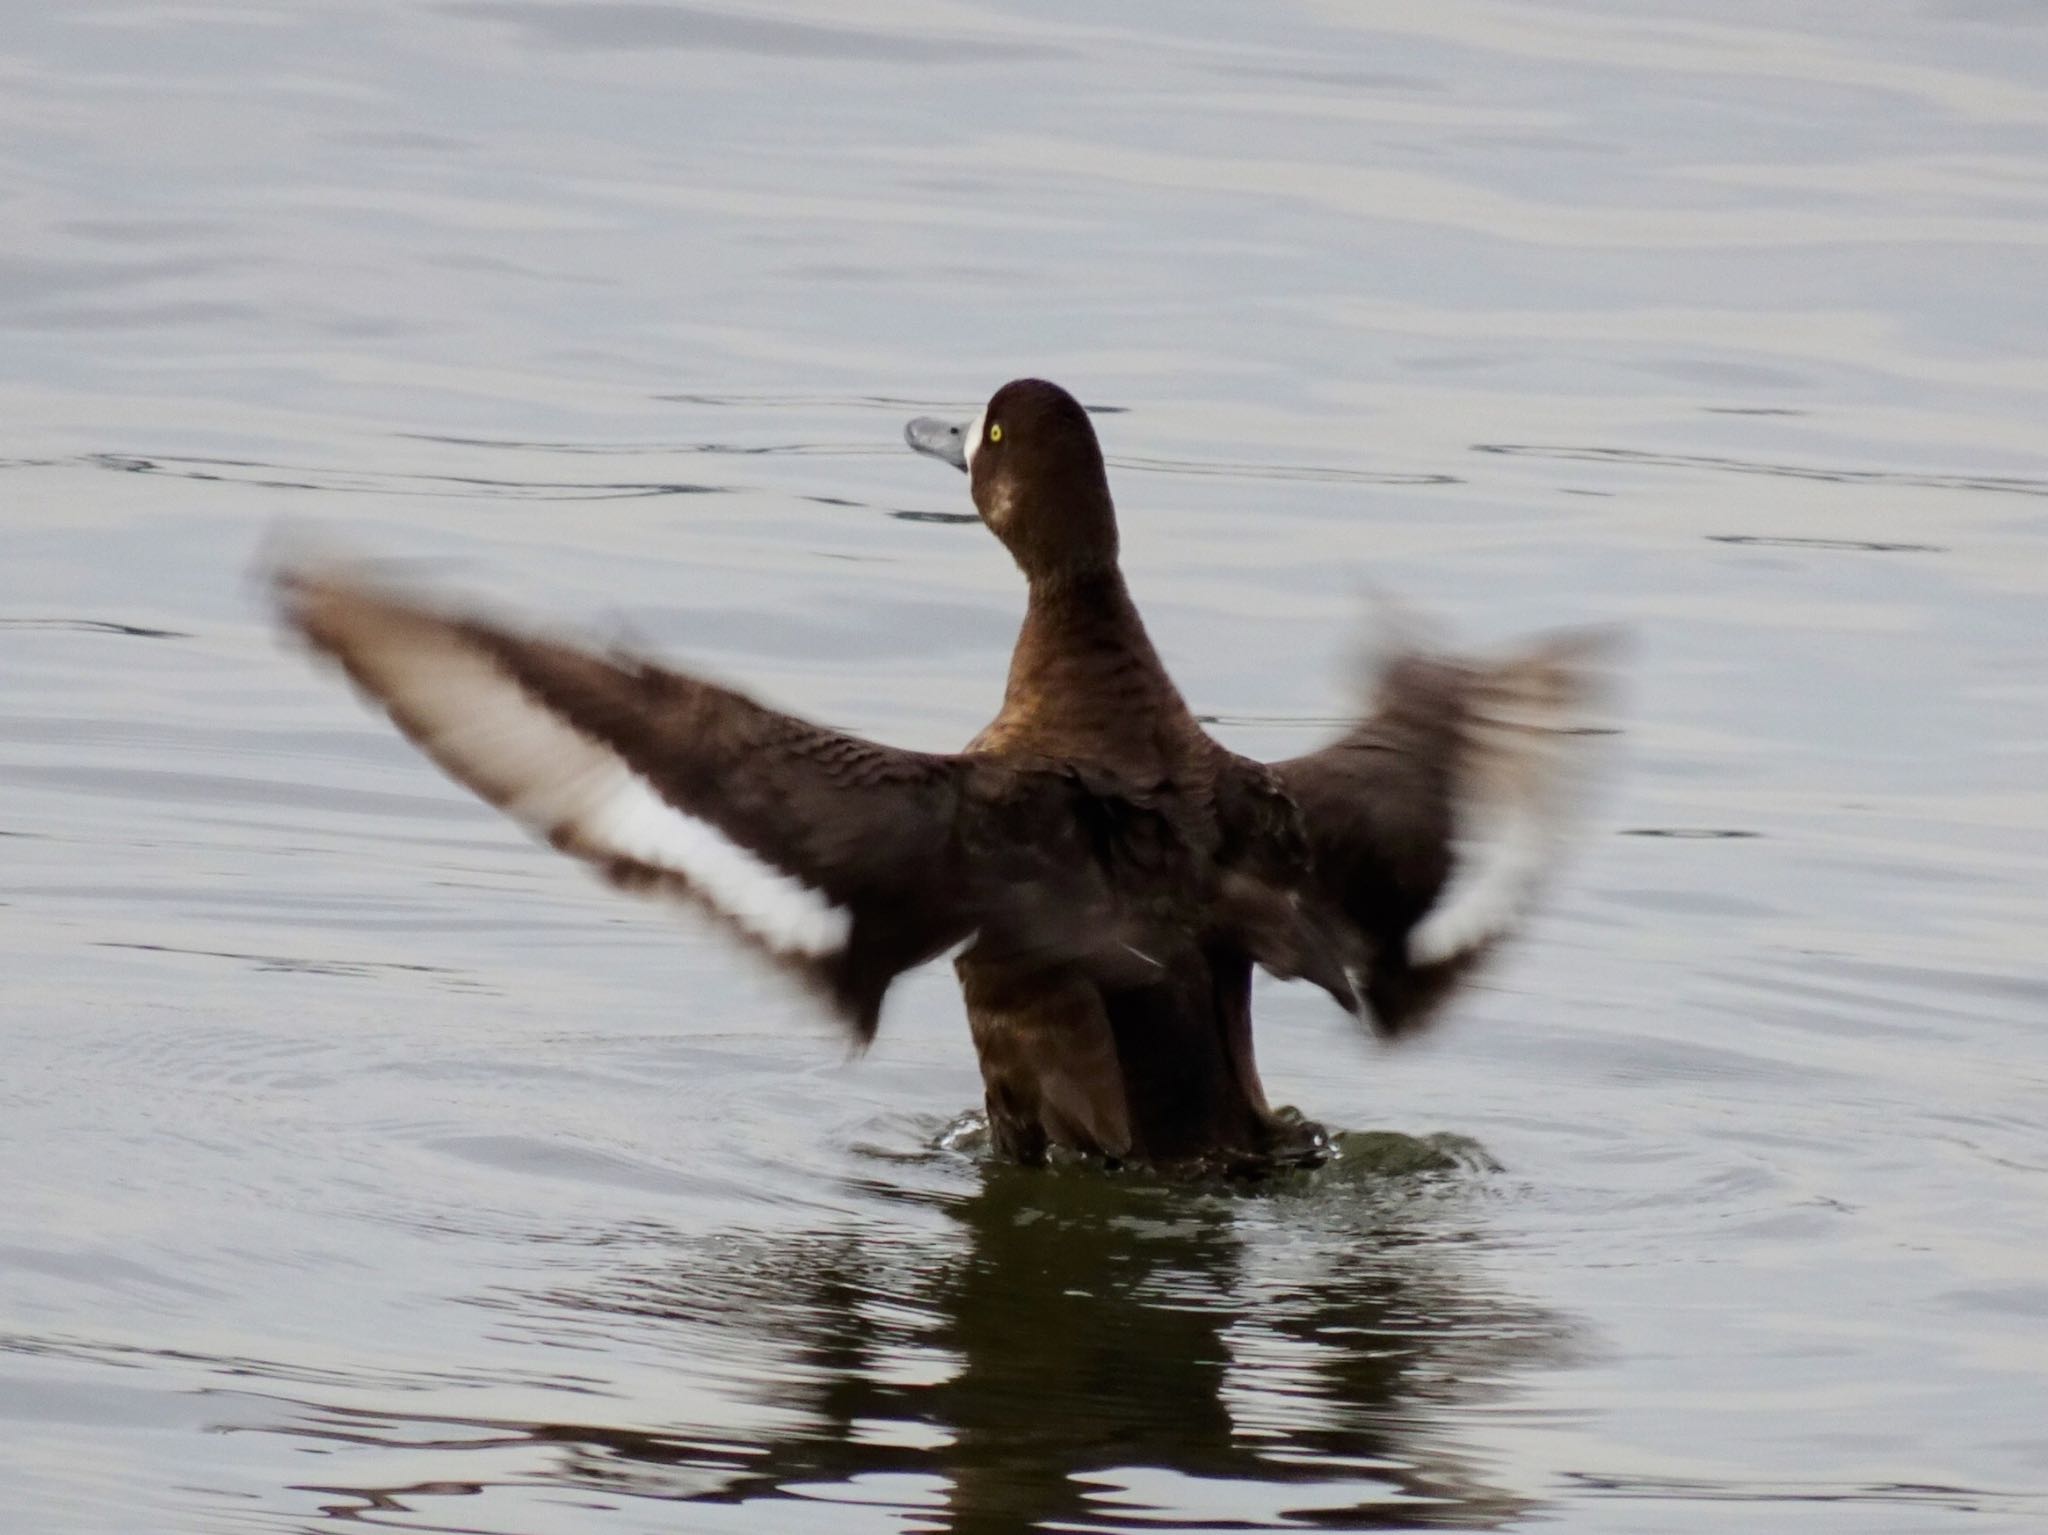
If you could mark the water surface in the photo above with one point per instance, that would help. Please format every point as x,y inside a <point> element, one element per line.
<point>369,1166</point>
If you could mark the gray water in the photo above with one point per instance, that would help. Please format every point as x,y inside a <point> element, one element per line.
<point>364,1163</point>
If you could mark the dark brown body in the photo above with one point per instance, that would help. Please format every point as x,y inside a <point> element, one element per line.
<point>1159,1070</point>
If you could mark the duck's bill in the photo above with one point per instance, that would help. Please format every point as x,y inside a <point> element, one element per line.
<point>939,439</point>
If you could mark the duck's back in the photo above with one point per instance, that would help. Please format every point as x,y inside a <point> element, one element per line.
<point>1158,1064</point>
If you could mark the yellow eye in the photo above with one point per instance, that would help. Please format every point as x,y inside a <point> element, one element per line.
<point>995,433</point>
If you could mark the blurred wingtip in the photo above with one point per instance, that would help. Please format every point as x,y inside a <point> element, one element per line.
<point>1394,637</point>
<point>299,564</point>
<point>1388,629</point>
<point>1528,749</point>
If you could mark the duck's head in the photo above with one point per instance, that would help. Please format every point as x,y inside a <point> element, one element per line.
<point>1036,474</point>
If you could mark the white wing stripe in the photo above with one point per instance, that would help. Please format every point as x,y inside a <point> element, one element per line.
<point>560,783</point>
<point>1503,854</point>
<point>1521,760</point>
<point>779,909</point>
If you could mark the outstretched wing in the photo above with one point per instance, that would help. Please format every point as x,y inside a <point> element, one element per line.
<point>1434,822</point>
<point>844,861</point>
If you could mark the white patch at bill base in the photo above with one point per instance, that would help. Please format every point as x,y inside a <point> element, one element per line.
<point>974,431</point>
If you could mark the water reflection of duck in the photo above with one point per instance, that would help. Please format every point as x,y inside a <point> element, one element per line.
<point>991,1349</point>
<point>1113,872</point>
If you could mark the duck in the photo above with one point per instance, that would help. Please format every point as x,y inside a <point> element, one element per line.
<point>1106,874</point>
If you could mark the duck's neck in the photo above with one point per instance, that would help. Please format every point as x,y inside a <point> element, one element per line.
<point>1085,681</point>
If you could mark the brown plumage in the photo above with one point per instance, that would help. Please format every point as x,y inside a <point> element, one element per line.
<point>1113,873</point>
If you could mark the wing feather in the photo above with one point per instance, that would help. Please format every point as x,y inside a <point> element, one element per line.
<point>842,860</point>
<point>1435,821</point>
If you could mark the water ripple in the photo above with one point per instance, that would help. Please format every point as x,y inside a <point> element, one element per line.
<point>385,482</point>
<point>2011,485</point>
